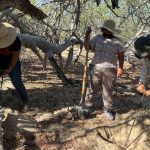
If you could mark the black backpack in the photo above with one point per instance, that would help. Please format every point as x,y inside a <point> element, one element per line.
<point>142,46</point>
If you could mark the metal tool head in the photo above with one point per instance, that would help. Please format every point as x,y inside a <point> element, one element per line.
<point>78,112</point>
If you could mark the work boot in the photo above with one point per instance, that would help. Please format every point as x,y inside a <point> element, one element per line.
<point>141,88</point>
<point>147,92</point>
<point>24,107</point>
<point>110,114</point>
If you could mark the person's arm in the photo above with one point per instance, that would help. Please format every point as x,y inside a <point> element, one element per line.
<point>15,49</point>
<point>121,62</point>
<point>144,70</point>
<point>15,57</point>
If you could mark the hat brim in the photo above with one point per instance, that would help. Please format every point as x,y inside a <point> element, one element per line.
<point>10,37</point>
<point>115,31</point>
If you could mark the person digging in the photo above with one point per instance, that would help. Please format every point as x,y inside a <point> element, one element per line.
<point>10,47</point>
<point>142,51</point>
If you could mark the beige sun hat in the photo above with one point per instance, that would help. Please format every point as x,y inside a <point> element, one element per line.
<point>111,26</point>
<point>7,34</point>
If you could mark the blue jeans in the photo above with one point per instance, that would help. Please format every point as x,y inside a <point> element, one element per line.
<point>15,76</point>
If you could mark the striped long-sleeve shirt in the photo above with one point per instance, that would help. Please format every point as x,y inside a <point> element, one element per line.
<point>105,51</point>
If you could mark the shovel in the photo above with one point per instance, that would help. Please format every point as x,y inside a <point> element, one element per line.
<point>79,109</point>
<point>85,75</point>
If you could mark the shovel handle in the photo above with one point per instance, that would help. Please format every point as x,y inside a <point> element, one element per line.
<point>85,75</point>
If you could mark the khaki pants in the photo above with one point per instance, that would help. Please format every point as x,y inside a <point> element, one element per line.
<point>101,77</point>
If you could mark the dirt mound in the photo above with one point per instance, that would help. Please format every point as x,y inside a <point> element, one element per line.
<point>54,131</point>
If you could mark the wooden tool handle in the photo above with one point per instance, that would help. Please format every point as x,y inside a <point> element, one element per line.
<point>85,75</point>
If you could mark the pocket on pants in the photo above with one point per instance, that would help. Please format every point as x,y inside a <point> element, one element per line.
<point>112,72</point>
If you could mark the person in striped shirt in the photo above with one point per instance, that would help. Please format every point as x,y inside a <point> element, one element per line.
<point>106,66</point>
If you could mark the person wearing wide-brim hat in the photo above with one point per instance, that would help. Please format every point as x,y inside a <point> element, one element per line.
<point>10,47</point>
<point>103,68</point>
<point>110,25</point>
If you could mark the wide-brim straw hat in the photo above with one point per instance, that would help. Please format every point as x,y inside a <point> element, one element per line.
<point>111,26</point>
<point>7,34</point>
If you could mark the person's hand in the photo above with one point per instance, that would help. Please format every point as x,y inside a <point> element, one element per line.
<point>119,72</point>
<point>7,70</point>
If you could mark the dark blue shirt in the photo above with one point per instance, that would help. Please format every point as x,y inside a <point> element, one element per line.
<point>6,53</point>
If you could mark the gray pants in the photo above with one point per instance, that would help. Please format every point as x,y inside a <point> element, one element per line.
<point>101,77</point>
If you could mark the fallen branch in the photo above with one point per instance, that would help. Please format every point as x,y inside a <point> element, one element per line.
<point>103,138</point>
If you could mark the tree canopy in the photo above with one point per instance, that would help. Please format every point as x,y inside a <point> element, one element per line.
<point>66,18</point>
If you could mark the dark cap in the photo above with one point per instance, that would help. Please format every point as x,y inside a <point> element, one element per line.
<point>142,46</point>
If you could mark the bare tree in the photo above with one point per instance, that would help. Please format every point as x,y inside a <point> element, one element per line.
<point>35,43</point>
<point>23,5</point>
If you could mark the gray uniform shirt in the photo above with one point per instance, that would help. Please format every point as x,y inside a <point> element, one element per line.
<point>105,51</point>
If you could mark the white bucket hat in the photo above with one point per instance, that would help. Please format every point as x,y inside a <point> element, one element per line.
<point>7,34</point>
<point>111,26</point>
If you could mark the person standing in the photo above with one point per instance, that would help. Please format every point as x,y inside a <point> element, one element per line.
<point>142,51</point>
<point>145,71</point>
<point>10,47</point>
<point>103,69</point>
